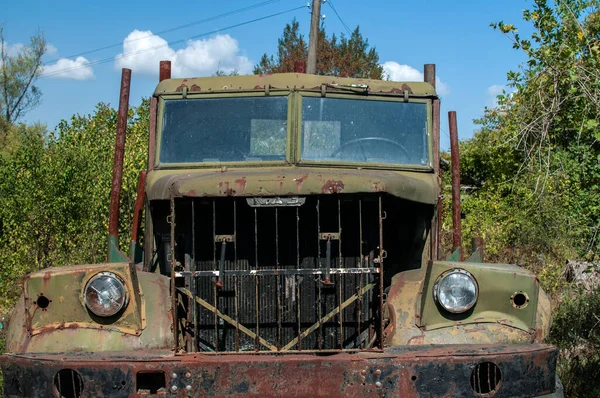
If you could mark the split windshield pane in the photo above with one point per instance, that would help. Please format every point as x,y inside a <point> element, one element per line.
<point>224,130</point>
<point>364,131</point>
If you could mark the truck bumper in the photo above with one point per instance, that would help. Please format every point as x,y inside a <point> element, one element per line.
<point>410,371</point>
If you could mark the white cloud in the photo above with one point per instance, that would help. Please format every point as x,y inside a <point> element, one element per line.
<point>51,50</point>
<point>142,52</point>
<point>65,68</point>
<point>405,73</point>
<point>13,49</point>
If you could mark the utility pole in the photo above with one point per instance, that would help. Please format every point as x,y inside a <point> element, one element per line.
<point>313,38</point>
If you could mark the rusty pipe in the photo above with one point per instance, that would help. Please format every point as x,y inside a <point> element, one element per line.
<point>117,176</point>
<point>456,222</point>
<point>164,70</point>
<point>429,74</point>
<point>139,206</point>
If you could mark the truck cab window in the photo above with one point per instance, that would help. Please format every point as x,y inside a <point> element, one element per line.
<point>224,130</point>
<point>348,130</point>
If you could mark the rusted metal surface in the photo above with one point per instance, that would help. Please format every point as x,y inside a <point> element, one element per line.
<point>138,207</point>
<point>66,325</point>
<point>292,181</point>
<point>525,371</point>
<point>477,250</point>
<point>343,281</point>
<point>454,151</point>
<point>164,71</point>
<point>289,81</point>
<point>115,193</point>
<point>429,74</point>
<point>152,133</point>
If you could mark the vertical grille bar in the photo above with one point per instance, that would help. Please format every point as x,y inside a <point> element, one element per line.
<point>298,299</point>
<point>381,257</point>
<point>235,279</point>
<point>319,301</point>
<point>360,285</point>
<point>216,304</point>
<point>174,307</point>
<point>256,340</point>
<point>340,276</point>
<point>194,268</point>
<point>278,280</point>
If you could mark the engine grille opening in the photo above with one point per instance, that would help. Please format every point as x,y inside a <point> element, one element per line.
<point>68,384</point>
<point>284,275</point>
<point>486,379</point>
<point>150,382</point>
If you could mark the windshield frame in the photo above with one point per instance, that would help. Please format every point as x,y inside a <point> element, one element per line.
<point>253,163</point>
<point>293,155</point>
<point>365,165</point>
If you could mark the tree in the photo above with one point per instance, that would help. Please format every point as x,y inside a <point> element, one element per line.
<point>346,57</point>
<point>20,67</point>
<point>536,162</point>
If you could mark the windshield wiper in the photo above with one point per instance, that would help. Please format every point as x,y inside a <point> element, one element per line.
<point>356,88</point>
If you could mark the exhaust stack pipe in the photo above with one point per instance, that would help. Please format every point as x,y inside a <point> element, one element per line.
<point>164,71</point>
<point>114,254</point>
<point>456,222</point>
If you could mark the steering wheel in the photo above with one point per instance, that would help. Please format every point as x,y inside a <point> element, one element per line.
<point>368,139</point>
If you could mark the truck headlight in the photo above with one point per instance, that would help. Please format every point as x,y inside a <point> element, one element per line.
<point>456,291</point>
<point>105,294</point>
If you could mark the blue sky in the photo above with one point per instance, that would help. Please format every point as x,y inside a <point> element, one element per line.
<point>472,59</point>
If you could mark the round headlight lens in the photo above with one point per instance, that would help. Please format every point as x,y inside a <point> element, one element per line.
<point>105,294</point>
<point>456,291</point>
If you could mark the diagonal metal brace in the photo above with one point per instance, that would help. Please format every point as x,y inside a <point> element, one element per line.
<point>330,315</point>
<point>228,319</point>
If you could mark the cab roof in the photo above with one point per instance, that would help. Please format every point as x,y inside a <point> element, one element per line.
<point>287,81</point>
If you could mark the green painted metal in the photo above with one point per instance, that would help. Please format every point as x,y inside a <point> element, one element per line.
<point>498,285</point>
<point>454,256</point>
<point>115,255</point>
<point>66,326</point>
<point>475,257</point>
<point>286,81</point>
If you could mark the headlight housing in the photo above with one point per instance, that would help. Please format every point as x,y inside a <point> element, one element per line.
<point>105,294</point>
<point>456,291</point>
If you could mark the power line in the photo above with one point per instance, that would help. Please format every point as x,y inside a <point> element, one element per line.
<point>340,18</point>
<point>239,10</point>
<point>105,60</point>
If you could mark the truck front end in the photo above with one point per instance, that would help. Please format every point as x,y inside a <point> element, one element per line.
<point>290,249</point>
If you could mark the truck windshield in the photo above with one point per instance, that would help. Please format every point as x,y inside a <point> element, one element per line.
<point>364,131</point>
<point>224,130</point>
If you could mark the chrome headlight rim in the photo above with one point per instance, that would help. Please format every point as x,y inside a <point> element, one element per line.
<point>122,286</point>
<point>445,274</point>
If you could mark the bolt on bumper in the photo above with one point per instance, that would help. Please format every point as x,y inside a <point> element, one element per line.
<point>410,371</point>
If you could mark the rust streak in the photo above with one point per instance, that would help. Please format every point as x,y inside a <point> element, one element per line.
<point>333,186</point>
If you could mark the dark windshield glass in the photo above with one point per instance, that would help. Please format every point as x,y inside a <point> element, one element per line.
<point>344,130</point>
<point>224,130</point>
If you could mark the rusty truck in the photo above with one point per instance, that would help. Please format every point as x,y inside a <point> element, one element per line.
<point>290,247</point>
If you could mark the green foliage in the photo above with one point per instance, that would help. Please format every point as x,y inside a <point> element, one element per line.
<point>346,57</point>
<point>19,69</point>
<point>55,190</point>
<point>576,331</point>
<point>534,167</point>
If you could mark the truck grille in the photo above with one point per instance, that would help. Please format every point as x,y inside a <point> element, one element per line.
<point>277,274</point>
